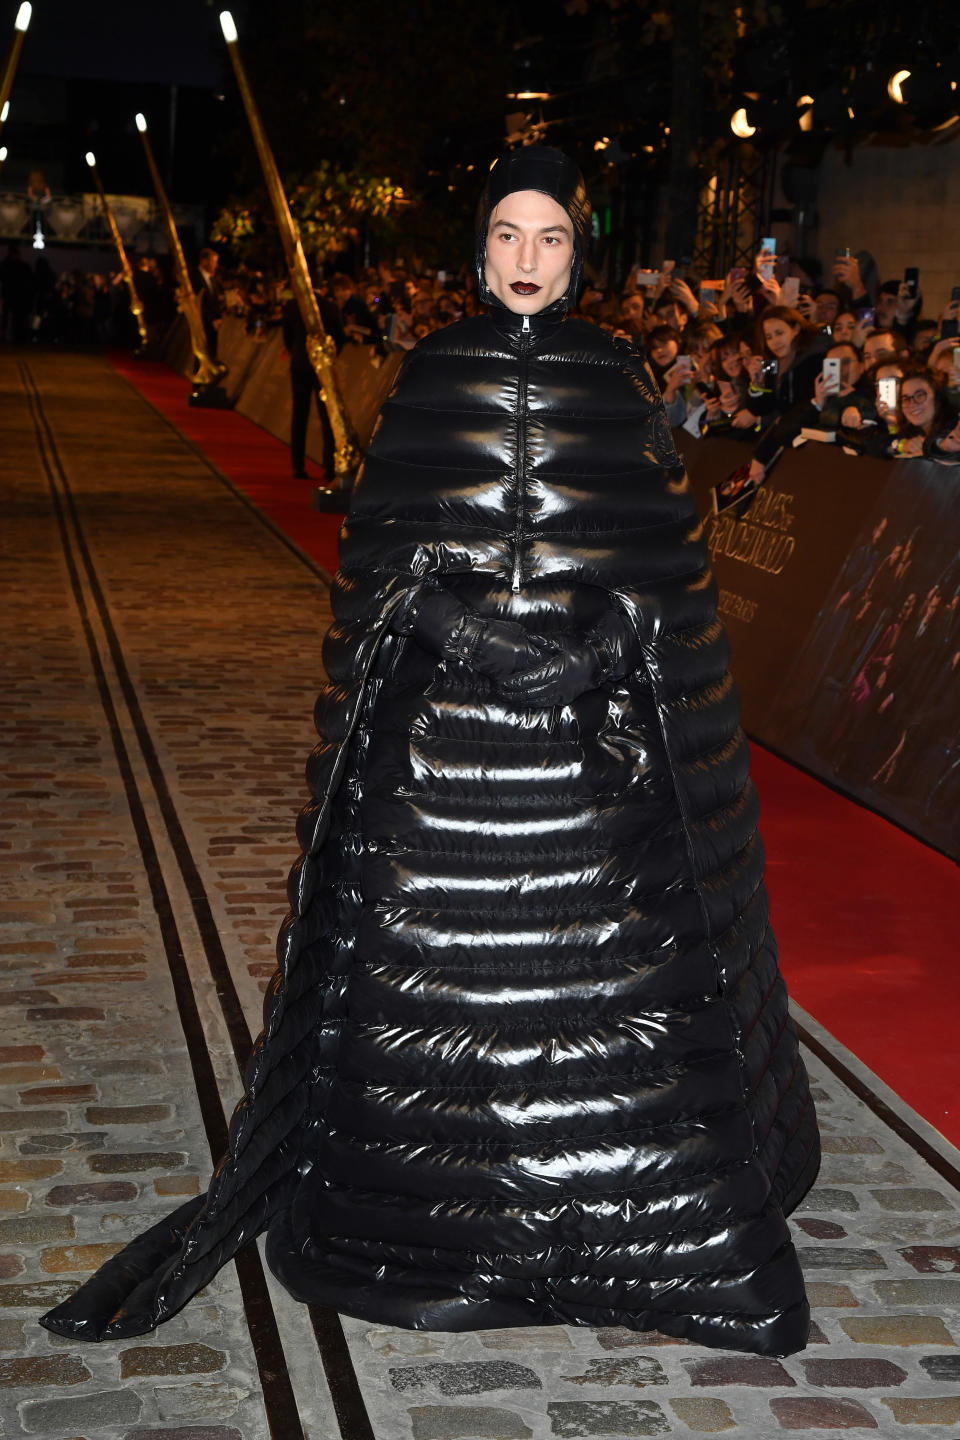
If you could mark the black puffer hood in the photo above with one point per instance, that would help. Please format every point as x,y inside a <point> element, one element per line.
<point>536,167</point>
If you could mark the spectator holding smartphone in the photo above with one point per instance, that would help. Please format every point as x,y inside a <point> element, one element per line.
<point>869,421</point>
<point>944,362</point>
<point>793,352</point>
<point>830,400</point>
<point>726,390</point>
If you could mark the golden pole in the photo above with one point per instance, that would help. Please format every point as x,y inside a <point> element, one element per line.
<point>208,371</point>
<point>13,57</point>
<point>136,309</point>
<point>320,348</point>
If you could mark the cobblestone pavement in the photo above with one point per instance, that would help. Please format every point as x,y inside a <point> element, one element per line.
<point>161,656</point>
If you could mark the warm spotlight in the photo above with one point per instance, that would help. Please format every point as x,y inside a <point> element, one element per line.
<point>228,27</point>
<point>90,158</point>
<point>894,84</point>
<point>741,126</point>
<point>141,123</point>
<point>23,17</point>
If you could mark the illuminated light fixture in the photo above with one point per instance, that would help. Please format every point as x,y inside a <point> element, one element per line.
<point>850,112</point>
<point>741,126</point>
<point>3,153</point>
<point>91,159</point>
<point>601,144</point>
<point>141,122</point>
<point>23,17</point>
<point>806,119</point>
<point>4,112</point>
<point>228,27</point>
<point>529,95</point>
<point>946,124</point>
<point>38,241</point>
<point>953,84</point>
<point>894,86</point>
<point>647,149</point>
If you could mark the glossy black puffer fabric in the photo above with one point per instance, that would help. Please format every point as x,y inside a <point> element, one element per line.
<point>527,1058</point>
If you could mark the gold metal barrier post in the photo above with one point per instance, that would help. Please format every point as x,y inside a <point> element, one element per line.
<point>20,25</point>
<point>320,348</point>
<point>206,388</point>
<point>136,309</point>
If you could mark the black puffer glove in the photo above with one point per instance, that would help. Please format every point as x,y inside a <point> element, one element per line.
<point>563,676</point>
<point>444,626</point>
<point>609,652</point>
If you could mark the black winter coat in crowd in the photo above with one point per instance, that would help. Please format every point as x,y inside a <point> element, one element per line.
<point>527,1058</point>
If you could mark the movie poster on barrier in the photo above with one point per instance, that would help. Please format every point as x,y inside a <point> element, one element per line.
<point>871,700</point>
<point>775,561</point>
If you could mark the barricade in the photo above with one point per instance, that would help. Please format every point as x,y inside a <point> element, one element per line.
<point>839,587</point>
<point>258,379</point>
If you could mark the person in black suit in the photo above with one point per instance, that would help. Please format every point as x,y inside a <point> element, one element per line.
<point>304,383</point>
<point>207,290</point>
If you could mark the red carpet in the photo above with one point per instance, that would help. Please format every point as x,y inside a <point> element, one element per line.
<point>866,920</point>
<point>864,914</point>
<point>250,458</point>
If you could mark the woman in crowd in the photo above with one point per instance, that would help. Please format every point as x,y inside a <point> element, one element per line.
<point>727,390</point>
<point>925,417</point>
<point>782,381</point>
<point>528,1058</point>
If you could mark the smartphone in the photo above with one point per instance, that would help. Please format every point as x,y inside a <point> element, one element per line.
<point>684,364</point>
<point>887,391</point>
<point>769,371</point>
<point>790,290</point>
<point>868,316</point>
<point>709,294</point>
<point>768,246</point>
<point>956,359</point>
<point>844,253</point>
<point>911,278</point>
<point>831,374</point>
<point>647,277</point>
<point>949,329</point>
<point>765,269</point>
<point>737,274</point>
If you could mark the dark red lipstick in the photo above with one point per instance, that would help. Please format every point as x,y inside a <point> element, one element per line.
<point>524,287</point>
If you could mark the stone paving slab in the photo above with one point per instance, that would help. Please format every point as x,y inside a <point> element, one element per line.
<point>100,1126</point>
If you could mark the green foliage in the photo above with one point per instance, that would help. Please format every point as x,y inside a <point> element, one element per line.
<point>331,206</point>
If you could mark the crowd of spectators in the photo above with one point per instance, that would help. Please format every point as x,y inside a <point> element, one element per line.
<point>764,355</point>
<point>769,358</point>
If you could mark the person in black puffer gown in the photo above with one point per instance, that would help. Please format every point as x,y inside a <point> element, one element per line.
<point>527,1058</point>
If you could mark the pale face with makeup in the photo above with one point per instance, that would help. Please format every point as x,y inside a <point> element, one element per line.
<point>529,251</point>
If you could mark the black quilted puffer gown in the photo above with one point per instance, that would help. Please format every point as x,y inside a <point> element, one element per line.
<point>527,1059</point>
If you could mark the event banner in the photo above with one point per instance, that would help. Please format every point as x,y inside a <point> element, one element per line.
<point>840,587</point>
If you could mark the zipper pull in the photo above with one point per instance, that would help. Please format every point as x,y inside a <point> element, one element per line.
<point>525,327</point>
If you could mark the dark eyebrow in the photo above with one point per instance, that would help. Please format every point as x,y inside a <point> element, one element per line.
<point>547,229</point>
